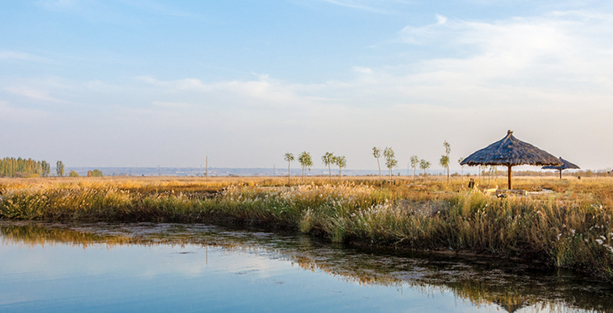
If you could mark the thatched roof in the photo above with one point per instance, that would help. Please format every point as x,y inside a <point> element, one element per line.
<point>565,165</point>
<point>511,151</point>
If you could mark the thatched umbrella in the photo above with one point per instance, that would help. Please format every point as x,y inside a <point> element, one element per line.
<point>565,165</point>
<point>509,152</point>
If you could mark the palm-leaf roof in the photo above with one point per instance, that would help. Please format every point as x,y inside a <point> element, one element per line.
<point>565,165</point>
<point>510,151</point>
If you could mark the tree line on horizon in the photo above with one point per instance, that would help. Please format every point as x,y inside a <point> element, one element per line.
<point>19,167</point>
<point>329,159</point>
<point>306,162</point>
<point>388,154</point>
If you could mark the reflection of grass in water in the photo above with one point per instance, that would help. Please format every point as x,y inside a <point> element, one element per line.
<point>41,236</point>
<point>34,235</point>
<point>472,282</point>
<point>569,229</point>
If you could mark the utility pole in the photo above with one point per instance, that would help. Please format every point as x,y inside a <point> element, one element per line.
<point>206,174</point>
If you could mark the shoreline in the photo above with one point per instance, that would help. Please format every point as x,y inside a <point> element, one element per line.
<point>568,230</point>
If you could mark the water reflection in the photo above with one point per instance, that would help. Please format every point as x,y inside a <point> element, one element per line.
<point>508,286</point>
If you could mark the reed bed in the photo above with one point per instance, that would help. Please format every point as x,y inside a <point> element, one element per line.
<point>570,227</point>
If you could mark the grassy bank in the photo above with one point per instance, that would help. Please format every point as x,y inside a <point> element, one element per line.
<point>571,227</point>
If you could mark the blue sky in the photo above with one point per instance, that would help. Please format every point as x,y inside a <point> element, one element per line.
<point>148,83</point>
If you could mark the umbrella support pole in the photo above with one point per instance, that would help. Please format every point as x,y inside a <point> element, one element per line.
<point>510,175</point>
<point>560,174</point>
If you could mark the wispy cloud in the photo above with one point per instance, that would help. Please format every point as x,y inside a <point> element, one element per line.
<point>552,51</point>
<point>14,55</point>
<point>172,105</point>
<point>420,35</point>
<point>374,6</point>
<point>63,4</point>
<point>11,114</point>
<point>159,8</point>
<point>534,72</point>
<point>33,94</point>
<point>362,70</point>
<point>109,11</point>
<point>550,61</point>
<point>268,91</point>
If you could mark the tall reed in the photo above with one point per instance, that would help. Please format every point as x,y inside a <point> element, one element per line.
<point>569,228</point>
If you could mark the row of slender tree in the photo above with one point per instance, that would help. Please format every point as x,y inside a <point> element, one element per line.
<point>390,159</point>
<point>306,162</point>
<point>329,159</point>
<point>388,154</point>
<point>18,167</point>
<point>14,167</point>
<point>425,165</point>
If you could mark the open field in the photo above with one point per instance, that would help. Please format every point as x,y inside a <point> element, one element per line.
<point>563,223</point>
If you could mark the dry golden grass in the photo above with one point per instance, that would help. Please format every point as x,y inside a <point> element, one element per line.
<point>596,188</point>
<point>565,223</point>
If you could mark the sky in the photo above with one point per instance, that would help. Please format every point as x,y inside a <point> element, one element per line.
<point>152,83</point>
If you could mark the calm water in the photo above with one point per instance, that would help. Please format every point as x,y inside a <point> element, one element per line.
<point>195,268</point>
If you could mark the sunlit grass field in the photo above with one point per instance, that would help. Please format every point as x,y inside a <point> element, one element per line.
<point>564,223</point>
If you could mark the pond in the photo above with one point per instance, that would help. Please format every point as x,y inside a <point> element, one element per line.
<point>201,268</point>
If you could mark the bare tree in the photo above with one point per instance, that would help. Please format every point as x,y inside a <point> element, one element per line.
<point>445,161</point>
<point>482,172</point>
<point>46,168</point>
<point>289,157</point>
<point>390,159</point>
<point>341,162</point>
<point>328,159</point>
<point>306,162</point>
<point>414,164</point>
<point>376,152</point>
<point>492,171</point>
<point>424,165</point>
<point>59,168</point>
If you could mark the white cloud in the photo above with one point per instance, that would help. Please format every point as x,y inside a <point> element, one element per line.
<point>419,35</point>
<point>62,4</point>
<point>545,54</point>
<point>268,92</point>
<point>160,8</point>
<point>540,76</point>
<point>356,4</point>
<point>59,3</point>
<point>14,55</point>
<point>172,105</point>
<point>373,6</point>
<point>32,93</point>
<point>362,70</point>
<point>12,114</point>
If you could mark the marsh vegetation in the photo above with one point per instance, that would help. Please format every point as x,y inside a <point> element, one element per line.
<point>563,224</point>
